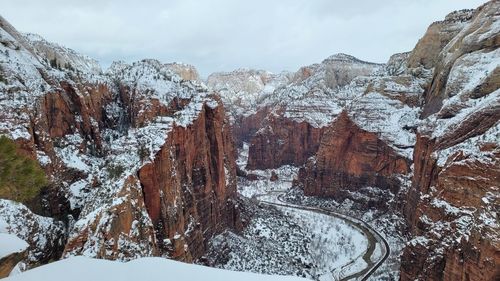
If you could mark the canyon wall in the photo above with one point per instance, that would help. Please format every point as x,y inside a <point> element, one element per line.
<point>450,206</point>
<point>190,186</point>
<point>283,141</point>
<point>349,158</point>
<point>140,158</point>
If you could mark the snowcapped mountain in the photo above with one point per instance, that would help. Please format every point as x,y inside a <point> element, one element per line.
<point>112,144</point>
<point>62,57</point>
<point>423,126</point>
<point>390,170</point>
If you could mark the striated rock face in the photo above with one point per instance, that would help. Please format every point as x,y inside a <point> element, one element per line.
<point>350,158</point>
<point>438,35</point>
<point>242,92</point>
<point>287,127</point>
<point>9,262</point>
<point>451,211</point>
<point>283,142</point>
<point>140,158</point>
<point>370,143</point>
<point>476,33</point>
<point>207,206</point>
<point>452,204</point>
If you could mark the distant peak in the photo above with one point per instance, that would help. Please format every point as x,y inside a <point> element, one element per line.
<point>342,56</point>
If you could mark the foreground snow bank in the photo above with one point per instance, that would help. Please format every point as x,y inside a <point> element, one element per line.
<point>10,244</point>
<point>84,269</point>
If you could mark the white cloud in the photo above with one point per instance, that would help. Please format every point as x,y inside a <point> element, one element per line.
<point>226,34</point>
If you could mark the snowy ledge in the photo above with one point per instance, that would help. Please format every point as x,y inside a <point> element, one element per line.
<point>11,244</point>
<point>84,269</point>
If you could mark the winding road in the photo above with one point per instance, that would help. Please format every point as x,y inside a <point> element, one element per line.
<point>373,236</point>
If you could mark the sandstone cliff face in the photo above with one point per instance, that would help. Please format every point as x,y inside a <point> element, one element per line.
<point>186,218</point>
<point>350,158</point>
<point>438,35</point>
<point>451,212</point>
<point>432,114</point>
<point>297,112</point>
<point>370,144</point>
<point>245,127</point>
<point>283,142</point>
<point>478,34</point>
<point>141,158</point>
<point>450,206</point>
<point>183,190</point>
<point>242,92</point>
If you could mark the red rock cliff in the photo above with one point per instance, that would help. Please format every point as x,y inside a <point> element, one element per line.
<point>283,141</point>
<point>349,158</point>
<point>190,189</point>
<point>454,194</point>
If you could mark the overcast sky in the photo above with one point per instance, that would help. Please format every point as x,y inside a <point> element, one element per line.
<point>221,35</point>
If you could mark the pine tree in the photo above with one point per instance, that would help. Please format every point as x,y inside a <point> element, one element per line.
<point>21,178</point>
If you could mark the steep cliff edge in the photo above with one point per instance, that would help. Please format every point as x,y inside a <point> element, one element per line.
<point>350,158</point>
<point>140,157</point>
<point>282,116</point>
<point>451,204</point>
<point>431,116</point>
<point>190,203</point>
<point>370,143</point>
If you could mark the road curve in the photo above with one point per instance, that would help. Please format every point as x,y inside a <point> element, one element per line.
<point>371,234</point>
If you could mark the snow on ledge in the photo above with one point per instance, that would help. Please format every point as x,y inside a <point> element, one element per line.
<point>10,244</point>
<point>84,269</point>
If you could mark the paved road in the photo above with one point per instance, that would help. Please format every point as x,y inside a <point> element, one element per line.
<point>371,234</point>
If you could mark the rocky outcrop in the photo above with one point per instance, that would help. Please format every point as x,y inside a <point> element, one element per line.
<point>438,35</point>
<point>242,92</point>
<point>185,71</point>
<point>472,31</point>
<point>451,204</point>
<point>120,230</point>
<point>245,127</point>
<point>186,218</point>
<point>450,210</point>
<point>350,158</point>
<point>283,142</point>
<point>298,112</point>
<point>9,262</point>
<point>45,236</point>
<point>141,158</point>
<point>336,71</point>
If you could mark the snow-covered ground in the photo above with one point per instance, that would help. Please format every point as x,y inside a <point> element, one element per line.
<point>84,269</point>
<point>388,223</point>
<point>9,243</point>
<point>285,239</point>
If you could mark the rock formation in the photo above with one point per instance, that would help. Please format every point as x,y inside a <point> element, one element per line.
<point>140,157</point>
<point>349,158</point>
<point>432,114</point>
<point>454,192</point>
<point>283,116</point>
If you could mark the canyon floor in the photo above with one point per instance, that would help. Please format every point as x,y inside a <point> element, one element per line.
<point>313,238</point>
